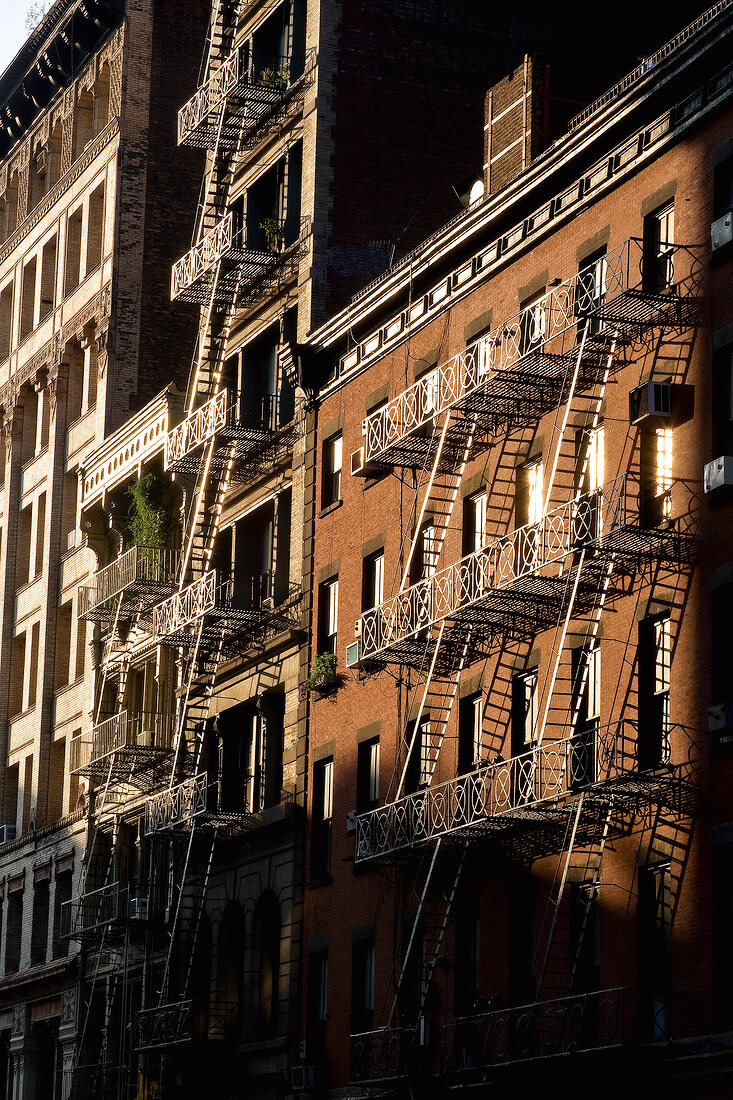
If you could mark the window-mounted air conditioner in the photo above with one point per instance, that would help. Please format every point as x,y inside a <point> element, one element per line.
<point>7,832</point>
<point>351,821</point>
<point>138,908</point>
<point>360,468</point>
<point>721,231</point>
<point>652,401</point>
<point>720,717</point>
<point>718,474</point>
<point>353,654</point>
<point>303,1078</point>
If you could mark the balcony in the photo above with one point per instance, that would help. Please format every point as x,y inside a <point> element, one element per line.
<point>524,801</point>
<point>225,616</point>
<point>522,368</point>
<point>207,803</point>
<point>246,434</point>
<point>128,747</point>
<point>381,1055</point>
<point>255,101</point>
<point>221,267</point>
<point>137,580</point>
<point>103,913</point>
<point>518,584</point>
<point>546,1029</point>
<point>180,1022</point>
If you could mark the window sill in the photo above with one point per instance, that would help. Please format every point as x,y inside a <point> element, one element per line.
<point>330,508</point>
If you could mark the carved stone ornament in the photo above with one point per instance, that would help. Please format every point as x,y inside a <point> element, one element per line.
<point>68,1006</point>
<point>18,1026</point>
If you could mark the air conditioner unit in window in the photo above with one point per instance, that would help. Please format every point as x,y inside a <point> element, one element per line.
<point>652,401</point>
<point>721,231</point>
<point>303,1078</point>
<point>718,474</point>
<point>353,654</point>
<point>360,468</point>
<point>138,908</point>
<point>7,832</point>
<point>720,717</point>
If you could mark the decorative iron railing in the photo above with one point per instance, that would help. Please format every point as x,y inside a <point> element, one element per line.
<point>546,1029</point>
<point>165,1025</point>
<point>581,522</point>
<point>200,261</point>
<point>140,565</point>
<point>209,96</point>
<point>197,429</point>
<point>546,773</point>
<point>127,729</point>
<point>379,1055</point>
<point>184,608</point>
<point>177,805</point>
<point>587,295</point>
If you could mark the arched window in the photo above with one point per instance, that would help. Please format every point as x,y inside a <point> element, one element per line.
<point>230,960</point>
<point>266,964</point>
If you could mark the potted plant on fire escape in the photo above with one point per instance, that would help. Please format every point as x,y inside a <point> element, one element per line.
<point>274,230</point>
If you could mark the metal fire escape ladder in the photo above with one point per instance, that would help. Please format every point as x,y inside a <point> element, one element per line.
<point>430,924</point>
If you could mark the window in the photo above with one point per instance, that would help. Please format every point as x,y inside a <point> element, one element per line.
<point>14,927</point>
<point>328,616</point>
<point>28,298</point>
<point>62,895</point>
<point>659,250</point>
<point>474,522</point>
<point>17,674</point>
<point>39,930</point>
<point>470,721</point>
<point>40,534</point>
<point>590,292</point>
<point>48,278</point>
<point>468,949</point>
<point>362,985</point>
<point>529,493</point>
<point>367,775</point>
<point>655,661</point>
<point>332,457</point>
<point>95,229</point>
<point>586,694</point>
<point>656,475</point>
<point>33,668</point>
<point>532,323</point>
<point>6,320</point>
<point>419,768</point>
<point>425,555</point>
<point>23,546</point>
<point>654,921</point>
<point>317,1013</point>
<point>589,460</point>
<point>73,251</point>
<point>322,817</point>
<point>524,710</point>
<point>372,589</point>
<point>62,668</point>
<point>266,932</point>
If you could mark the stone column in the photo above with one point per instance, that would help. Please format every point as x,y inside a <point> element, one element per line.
<point>67,1040</point>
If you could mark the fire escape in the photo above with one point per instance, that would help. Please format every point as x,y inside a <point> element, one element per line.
<point>568,794</point>
<point>153,767</point>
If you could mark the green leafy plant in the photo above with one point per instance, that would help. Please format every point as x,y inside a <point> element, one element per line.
<point>274,232</point>
<point>276,79</point>
<point>323,672</point>
<point>153,514</point>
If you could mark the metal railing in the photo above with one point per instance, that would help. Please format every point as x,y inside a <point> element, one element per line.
<point>648,64</point>
<point>379,1055</point>
<point>578,523</point>
<point>186,607</point>
<point>177,805</point>
<point>545,1029</point>
<point>94,910</point>
<point>574,302</point>
<point>146,565</point>
<point>124,730</point>
<point>165,1025</point>
<point>199,262</point>
<point>209,96</point>
<point>240,602</point>
<point>471,802</point>
<point>197,429</point>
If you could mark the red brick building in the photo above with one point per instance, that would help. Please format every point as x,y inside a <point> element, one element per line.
<point>519,856</point>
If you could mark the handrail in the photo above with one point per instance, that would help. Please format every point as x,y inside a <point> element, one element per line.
<point>148,564</point>
<point>571,303</point>
<point>545,773</point>
<point>125,729</point>
<point>577,523</point>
